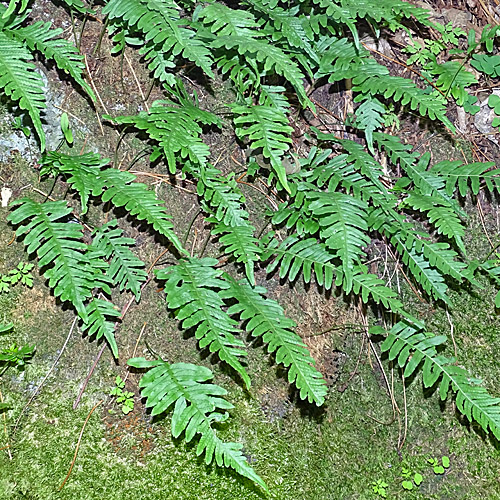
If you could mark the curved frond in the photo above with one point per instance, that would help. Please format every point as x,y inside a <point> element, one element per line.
<point>410,346</point>
<point>266,319</point>
<point>191,289</point>
<point>198,405</point>
<point>59,248</point>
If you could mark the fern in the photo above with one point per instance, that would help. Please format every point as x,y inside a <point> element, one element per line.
<point>86,175</point>
<point>19,80</point>
<point>342,220</point>
<point>59,248</point>
<point>410,347</point>
<point>163,35</point>
<point>268,129</point>
<point>100,322</point>
<point>190,290</point>
<point>197,407</point>
<point>125,270</point>
<point>458,175</point>
<point>80,171</point>
<point>266,319</point>
<point>175,128</point>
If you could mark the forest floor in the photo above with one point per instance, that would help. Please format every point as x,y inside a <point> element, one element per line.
<point>372,427</point>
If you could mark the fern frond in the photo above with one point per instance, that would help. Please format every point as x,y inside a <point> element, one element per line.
<point>59,248</point>
<point>162,29</point>
<point>369,117</point>
<point>41,37</point>
<point>273,58</point>
<point>241,243</point>
<point>125,269</point>
<point>80,171</point>
<point>406,238</point>
<point>458,175</point>
<point>197,406</point>
<point>225,21</point>
<point>222,195</point>
<point>190,288</point>
<point>430,279</point>
<point>99,313</point>
<point>406,92</point>
<point>139,201</point>
<point>452,78</point>
<point>343,228</point>
<point>21,82</point>
<point>410,347</point>
<point>267,128</point>
<point>267,320</point>
<point>175,128</point>
<point>295,255</point>
<point>442,217</point>
<point>427,182</point>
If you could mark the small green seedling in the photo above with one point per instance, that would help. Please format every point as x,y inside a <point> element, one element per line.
<point>18,125</point>
<point>410,479</point>
<point>379,487</point>
<point>123,398</point>
<point>14,356</point>
<point>20,274</point>
<point>439,466</point>
<point>66,130</point>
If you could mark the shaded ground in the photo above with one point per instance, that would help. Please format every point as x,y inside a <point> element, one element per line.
<point>336,452</point>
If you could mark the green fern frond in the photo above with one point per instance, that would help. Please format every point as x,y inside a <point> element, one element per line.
<point>41,37</point>
<point>410,347</point>
<point>125,269</point>
<point>442,217</point>
<point>222,196</point>
<point>452,78</point>
<point>307,256</point>
<point>20,82</point>
<point>225,21</point>
<point>415,166</point>
<point>267,128</point>
<point>80,171</point>
<point>139,201</point>
<point>240,242</point>
<point>295,255</point>
<point>59,248</point>
<point>175,128</point>
<point>429,278</point>
<point>102,317</point>
<point>163,32</point>
<point>190,288</point>
<point>343,228</point>
<point>369,117</point>
<point>267,320</point>
<point>458,175</point>
<point>406,92</point>
<point>197,407</point>
<point>273,58</point>
<point>406,238</point>
<point>274,96</point>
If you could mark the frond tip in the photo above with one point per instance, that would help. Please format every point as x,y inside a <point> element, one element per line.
<point>410,346</point>
<point>197,406</point>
